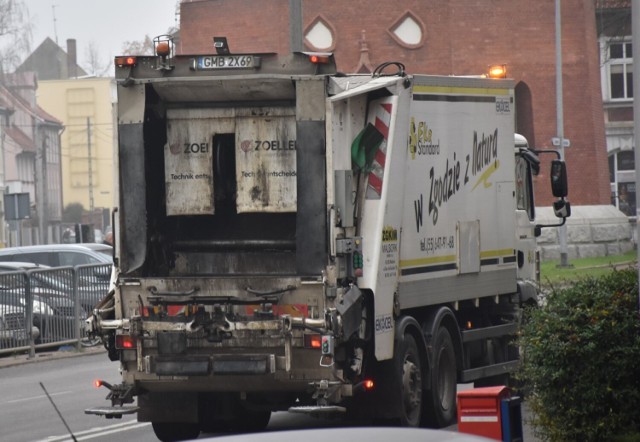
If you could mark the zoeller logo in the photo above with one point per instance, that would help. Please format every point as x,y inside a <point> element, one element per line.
<point>188,148</point>
<point>248,145</point>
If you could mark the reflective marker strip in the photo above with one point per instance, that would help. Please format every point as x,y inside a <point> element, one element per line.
<point>479,419</point>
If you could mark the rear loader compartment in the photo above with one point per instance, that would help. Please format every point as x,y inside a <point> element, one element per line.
<point>201,202</point>
<point>229,180</point>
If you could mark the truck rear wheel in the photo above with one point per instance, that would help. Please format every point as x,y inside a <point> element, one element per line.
<point>225,413</point>
<point>175,431</point>
<point>495,354</point>
<point>441,402</point>
<point>410,372</point>
<point>252,421</point>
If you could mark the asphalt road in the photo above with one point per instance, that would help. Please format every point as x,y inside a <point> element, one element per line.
<point>27,414</point>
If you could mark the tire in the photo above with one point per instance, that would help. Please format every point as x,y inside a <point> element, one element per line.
<point>495,354</point>
<point>175,431</point>
<point>252,421</point>
<point>409,370</point>
<point>440,403</point>
<point>232,416</point>
<point>215,426</point>
<point>40,325</point>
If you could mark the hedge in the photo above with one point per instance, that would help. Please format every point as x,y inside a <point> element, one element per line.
<point>581,361</point>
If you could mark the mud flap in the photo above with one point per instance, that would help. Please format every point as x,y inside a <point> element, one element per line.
<point>351,311</point>
<point>168,407</point>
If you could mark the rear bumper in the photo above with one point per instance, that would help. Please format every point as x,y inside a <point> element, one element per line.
<point>250,371</point>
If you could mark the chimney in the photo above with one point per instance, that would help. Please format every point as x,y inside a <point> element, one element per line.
<point>72,62</point>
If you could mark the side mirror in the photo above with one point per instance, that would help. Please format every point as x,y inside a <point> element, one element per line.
<point>559,186</point>
<point>562,209</point>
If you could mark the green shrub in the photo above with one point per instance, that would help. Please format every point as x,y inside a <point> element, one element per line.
<point>581,360</point>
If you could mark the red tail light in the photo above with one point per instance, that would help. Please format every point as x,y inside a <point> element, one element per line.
<point>364,386</point>
<point>312,341</point>
<point>319,58</point>
<point>125,61</point>
<point>125,342</point>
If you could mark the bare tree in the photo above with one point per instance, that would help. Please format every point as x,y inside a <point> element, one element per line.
<point>145,46</point>
<point>15,33</point>
<point>142,47</point>
<point>94,65</point>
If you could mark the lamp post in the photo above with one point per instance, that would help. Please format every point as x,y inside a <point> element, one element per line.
<point>564,260</point>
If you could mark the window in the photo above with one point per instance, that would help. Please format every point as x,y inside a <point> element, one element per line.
<point>626,160</point>
<point>76,259</point>
<point>622,177</point>
<point>612,168</point>
<point>619,62</point>
<point>408,31</point>
<point>524,194</point>
<point>320,35</point>
<point>43,258</point>
<point>627,198</point>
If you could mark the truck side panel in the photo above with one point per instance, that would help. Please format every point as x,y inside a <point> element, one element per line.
<point>458,237</point>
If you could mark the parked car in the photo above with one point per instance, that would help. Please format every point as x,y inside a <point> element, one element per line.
<point>13,332</point>
<point>53,308</point>
<point>59,255</point>
<point>92,286</point>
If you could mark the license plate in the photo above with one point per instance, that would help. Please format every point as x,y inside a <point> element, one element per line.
<point>226,62</point>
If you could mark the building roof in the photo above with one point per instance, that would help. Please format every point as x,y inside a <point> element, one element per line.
<point>20,138</point>
<point>51,62</point>
<point>11,100</point>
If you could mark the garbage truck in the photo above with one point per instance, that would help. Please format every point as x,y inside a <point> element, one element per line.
<point>289,237</point>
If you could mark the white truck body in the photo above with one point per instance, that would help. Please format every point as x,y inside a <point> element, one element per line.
<point>287,238</point>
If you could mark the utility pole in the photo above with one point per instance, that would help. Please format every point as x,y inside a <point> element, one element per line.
<point>55,29</point>
<point>295,25</point>
<point>564,260</point>
<point>3,231</point>
<point>44,215</point>
<point>90,166</point>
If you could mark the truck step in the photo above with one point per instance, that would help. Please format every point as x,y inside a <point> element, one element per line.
<point>110,412</point>
<point>318,409</point>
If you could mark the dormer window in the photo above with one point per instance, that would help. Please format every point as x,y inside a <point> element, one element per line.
<point>408,31</point>
<point>320,35</point>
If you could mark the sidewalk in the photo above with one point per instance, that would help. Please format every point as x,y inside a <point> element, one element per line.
<point>66,351</point>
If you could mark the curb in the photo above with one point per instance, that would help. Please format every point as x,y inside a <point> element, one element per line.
<point>62,353</point>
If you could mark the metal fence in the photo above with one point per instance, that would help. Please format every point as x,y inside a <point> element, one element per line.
<point>47,308</point>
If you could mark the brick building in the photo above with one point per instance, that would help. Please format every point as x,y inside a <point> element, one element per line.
<point>613,21</point>
<point>457,37</point>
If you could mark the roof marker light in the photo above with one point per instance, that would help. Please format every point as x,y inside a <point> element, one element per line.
<point>498,71</point>
<point>163,49</point>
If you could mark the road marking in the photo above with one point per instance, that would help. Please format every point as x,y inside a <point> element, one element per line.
<point>98,431</point>
<point>42,396</point>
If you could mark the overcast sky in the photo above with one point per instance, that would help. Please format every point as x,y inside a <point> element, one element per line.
<point>108,23</point>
